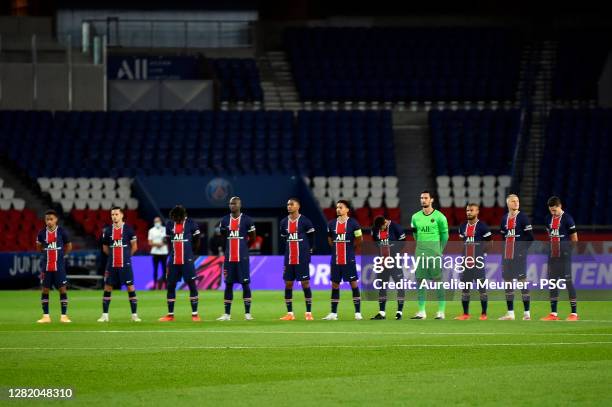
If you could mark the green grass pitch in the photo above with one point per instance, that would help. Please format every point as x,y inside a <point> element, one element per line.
<point>272,362</point>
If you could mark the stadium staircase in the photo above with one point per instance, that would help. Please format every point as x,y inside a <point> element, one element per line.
<point>544,57</point>
<point>277,82</point>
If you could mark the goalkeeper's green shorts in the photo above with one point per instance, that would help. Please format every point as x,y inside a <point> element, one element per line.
<point>431,271</point>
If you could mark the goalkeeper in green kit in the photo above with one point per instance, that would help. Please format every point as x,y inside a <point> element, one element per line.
<point>430,230</point>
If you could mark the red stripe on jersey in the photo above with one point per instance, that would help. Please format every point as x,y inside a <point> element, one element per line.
<point>234,248</point>
<point>178,245</point>
<point>470,249</point>
<point>510,226</point>
<point>118,250</point>
<point>52,253</point>
<point>294,245</point>
<point>385,250</point>
<point>555,240</point>
<point>340,246</point>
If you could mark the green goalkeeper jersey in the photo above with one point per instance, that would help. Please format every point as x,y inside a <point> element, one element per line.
<point>430,232</point>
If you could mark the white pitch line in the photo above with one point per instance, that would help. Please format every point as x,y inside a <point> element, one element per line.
<point>247,347</point>
<point>241,332</point>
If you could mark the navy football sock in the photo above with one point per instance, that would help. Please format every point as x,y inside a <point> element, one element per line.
<point>193,296</point>
<point>133,301</point>
<point>44,301</point>
<point>357,299</point>
<point>289,299</point>
<point>246,296</point>
<point>308,298</point>
<point>171,297</point>
<point>64,302</point>
<point>228,296</point>
<point>106,299</point>
<point>335,298</point>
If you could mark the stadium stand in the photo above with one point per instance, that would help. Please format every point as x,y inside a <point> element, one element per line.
<point>576,164</point>
<point>239,80</point>
<point>404,64</point>
<point>473,152</point>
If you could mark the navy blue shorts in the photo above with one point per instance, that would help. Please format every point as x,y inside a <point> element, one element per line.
<point>177,271</point>
<point>50,279</point>
<point>560,268</point>
<point>346,272</point>
<point>515,268</point>
<point>119,276</point>
<point>237,273</point>
<point>472,274</point>
<point>296,272</point>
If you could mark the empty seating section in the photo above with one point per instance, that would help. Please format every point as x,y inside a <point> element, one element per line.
<point>8,200</point>
<point>580,60</point>
<point>576,165</point>
<point>19,228</point>
<point>370,196</point>
<point>473,152</point>
<point>404,64</point>
<point>239,80</point>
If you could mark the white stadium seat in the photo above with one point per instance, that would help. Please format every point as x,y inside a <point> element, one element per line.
<point>348,182</point>
<point>358,202</point>
<point>56,195</point>
<point>375,202</point>
<point>109,194</point>
<point>83,183</point>
<point>391,181</point>
<point>69,194</point>
<point>44,184</point>
<point>473,191</point>
<point>376,182</point>
<point>459,191</point>
<point>7,193</point>
<point>1,182</point>
<point>459,201</point>
<point>125,182</point>
<point>501,192</point>
<point>18,204</point>
<point>5,204</point>
<point>376,192</point>
<point>70,183</point>
<point>83,194</point>
<point>120,203</point>
<point>489,181</point>
<point>106,204</point>
<point>488,201</point>
<point>474,199</point>
<point>132,204</point>
<point>67,205</point>
<point>501,201</point>
<point>444,192</point>
<point>488,192</point>
<point>348,193</point>
<point>333,182</point>
<point>109,183</point>
<point>446,202</point>
<point>124,193</point>
<point>57,183</point>
<point>474,181</point>
<point>94,204</point>
<point>80,204</point>
<point>391,192</point>
<point>96,183</point>
<point>363,192</point>
<point>458,180</point>
<point>443,181</point>
<point>319,182</point>
<point>96,194</point>
<point>504,180</point>
<point>362,182</point>
<point>392,202</point>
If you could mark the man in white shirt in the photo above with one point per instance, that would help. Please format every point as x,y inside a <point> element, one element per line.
<point>159,251</point>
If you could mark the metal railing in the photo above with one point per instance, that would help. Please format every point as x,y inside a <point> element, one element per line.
<point>141,33</point>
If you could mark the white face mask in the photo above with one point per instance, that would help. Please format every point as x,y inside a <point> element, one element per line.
<point>157,224</point>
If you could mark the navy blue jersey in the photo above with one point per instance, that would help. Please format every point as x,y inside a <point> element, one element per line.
<point>181,235</point>
<point>53,242</point>
<point>236,231</point>
<point>295,233</point>
<point>119,240</point>
<point>559,229</point>
<point>515,229</point>
<point>473,236</point>
<point>384,238</point>
<point>343,236</point>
